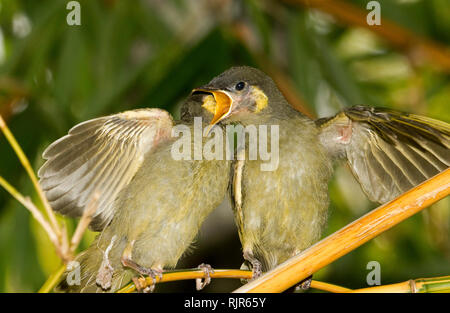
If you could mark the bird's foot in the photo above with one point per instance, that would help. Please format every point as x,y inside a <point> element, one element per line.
<point>140,283</point>
<point>201,283</point>
<point>145,271</point>
<point>245,267</point>
<point>153,273</point>
<point>304,284</point>
<point>256,265</point>
<point>256,269</point>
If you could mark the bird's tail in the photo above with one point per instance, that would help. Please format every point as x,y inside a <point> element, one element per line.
<point>96,270</point>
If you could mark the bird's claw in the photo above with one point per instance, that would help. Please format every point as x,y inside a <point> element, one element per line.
<point>304,284</point>
<point>141,283</point>
<point>149,289</point>
<point>256,265</point>
<point>153,273</point>
<point>201,283</point>
<point>256,269</point>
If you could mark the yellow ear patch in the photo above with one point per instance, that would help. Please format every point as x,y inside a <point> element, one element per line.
<point>209,103</point>
<point>260,97</point>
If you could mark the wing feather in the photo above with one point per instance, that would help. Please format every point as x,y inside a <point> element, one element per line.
<point>100,155</point>
<point>388,152</point>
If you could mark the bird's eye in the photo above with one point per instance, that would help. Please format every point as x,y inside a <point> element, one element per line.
<point>240,86</point>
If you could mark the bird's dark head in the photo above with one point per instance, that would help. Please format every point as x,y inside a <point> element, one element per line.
<point>241,94</point>
<point>196,105</point>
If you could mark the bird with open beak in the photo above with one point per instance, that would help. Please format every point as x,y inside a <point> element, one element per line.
<point>282,212</point>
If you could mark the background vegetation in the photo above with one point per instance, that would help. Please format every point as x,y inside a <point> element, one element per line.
<point>150,53</point>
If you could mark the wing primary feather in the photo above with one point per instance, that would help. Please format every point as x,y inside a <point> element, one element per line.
<point>420,163</point>
<point>101,154</point>
<point>378,177</point>
<point>388,152</point>
<point>406,167</point>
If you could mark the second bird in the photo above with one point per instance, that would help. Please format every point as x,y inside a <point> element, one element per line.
<point>282,211</point>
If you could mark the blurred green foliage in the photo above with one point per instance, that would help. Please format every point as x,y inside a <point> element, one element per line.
<point>151,53</point>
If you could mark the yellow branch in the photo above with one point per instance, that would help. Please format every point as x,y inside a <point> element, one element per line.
<point>352,236</point>
<point>218,273</point>
<point>189,274</point>
<point>328,287</point>
<point>421,285</point>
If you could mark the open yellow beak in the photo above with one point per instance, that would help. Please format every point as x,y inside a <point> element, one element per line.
<point>223,104</point>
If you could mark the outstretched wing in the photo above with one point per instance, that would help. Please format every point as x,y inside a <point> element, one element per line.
<point>388,152</point>
<point>100,155</point>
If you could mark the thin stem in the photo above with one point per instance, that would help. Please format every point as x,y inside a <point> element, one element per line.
<point>33,210</point>
<point>53,279</point>
<point>26,164</point>
<point>352,236</point>
<point>84,222</point>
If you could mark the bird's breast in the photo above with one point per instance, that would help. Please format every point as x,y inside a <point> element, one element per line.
<point>279,208</point>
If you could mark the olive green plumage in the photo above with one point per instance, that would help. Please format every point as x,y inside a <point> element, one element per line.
<point>278,212</point>
<point>282,212</point>
<point>154,216</point>
<point>151,206</point>
<point>162,212</point>
<point>285,210</point>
